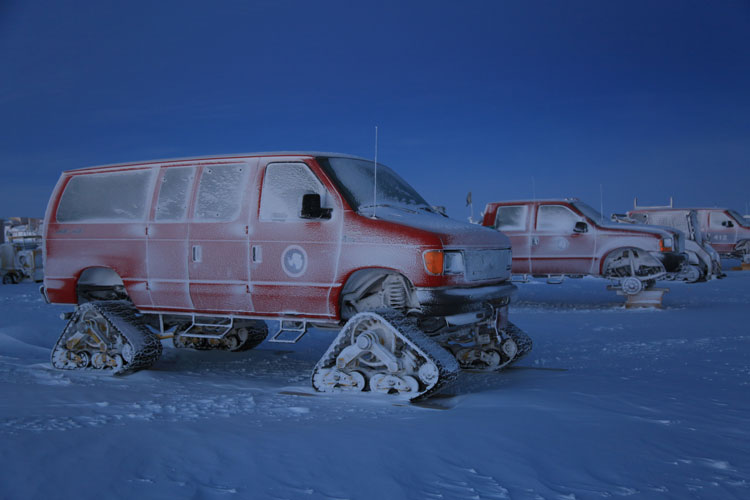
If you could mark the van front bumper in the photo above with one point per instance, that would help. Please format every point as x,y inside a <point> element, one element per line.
<point>451,301</point>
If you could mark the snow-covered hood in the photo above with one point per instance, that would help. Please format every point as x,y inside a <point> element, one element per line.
<point>661,231</point>
<point>452,233</point>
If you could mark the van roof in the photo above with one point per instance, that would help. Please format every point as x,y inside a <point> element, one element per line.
<point>301,154</point>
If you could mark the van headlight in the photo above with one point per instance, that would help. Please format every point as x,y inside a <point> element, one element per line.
<point>453,262</point>
<point>439,262</point>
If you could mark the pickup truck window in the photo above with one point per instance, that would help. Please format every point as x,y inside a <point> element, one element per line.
<point>220,192</point>
<point>283,187</point>
<point>511,218</point>
<point>173,193</point>
<point>556,218</point>
<point>105,197</point>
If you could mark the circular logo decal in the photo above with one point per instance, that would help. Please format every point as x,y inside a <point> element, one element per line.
<point>562,243</point>
<point>294,261</point>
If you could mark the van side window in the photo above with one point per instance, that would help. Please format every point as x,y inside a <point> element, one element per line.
<point>105,197</point>
<point>283,187</point>
<point>220,192</point>
<point>173,193</point>
<point>511,218</point>
<point>556,218</point>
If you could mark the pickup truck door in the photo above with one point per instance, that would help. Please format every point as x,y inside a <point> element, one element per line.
<point>556,247</point>
<point>294,259</point>
<point>513,221</point>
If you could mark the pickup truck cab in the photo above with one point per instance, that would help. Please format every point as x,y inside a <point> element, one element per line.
<point>726,230</point>
<point>207,249</point>
<point>566,237</point>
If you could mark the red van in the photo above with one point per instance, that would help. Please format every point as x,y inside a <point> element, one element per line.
<point>566,237</point>
<point>206,250</point>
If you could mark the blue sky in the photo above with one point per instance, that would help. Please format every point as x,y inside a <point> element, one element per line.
<point>642,98</point>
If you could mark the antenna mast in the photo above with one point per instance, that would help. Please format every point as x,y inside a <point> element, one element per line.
<point>375,183</point>
<point>601,201</point>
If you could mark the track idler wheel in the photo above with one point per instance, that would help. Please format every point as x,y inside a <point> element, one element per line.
<point>384,352</point>
<point>494,351</point>
<point>631,285</point>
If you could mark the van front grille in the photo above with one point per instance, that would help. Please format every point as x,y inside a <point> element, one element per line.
<point>487,264</point>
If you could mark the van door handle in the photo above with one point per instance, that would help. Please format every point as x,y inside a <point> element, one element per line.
<point>534,241</point>
<point>197,253</point>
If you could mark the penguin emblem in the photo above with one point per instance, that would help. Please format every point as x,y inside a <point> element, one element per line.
<point>294,261</point>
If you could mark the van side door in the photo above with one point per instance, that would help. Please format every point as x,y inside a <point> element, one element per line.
<point>513,221</point>
<point>218,240</point>
<point>167,239</point>
<point>295,259</point>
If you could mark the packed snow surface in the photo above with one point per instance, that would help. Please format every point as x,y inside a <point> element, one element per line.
<point>610,403</point>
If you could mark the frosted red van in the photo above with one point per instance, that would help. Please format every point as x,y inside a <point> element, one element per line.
<point>207,250</point>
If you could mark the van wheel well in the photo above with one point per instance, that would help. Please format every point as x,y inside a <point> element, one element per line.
<point>371,289</point>
<point>100,283</point>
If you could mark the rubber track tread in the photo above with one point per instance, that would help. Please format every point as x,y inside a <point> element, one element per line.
<point>522,340</point>
<point>123,317</point>
<point>446,363</point>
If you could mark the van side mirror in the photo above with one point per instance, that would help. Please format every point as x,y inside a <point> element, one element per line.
<point>311,208</point>
<point>727,223</point>
<point>581,227</point>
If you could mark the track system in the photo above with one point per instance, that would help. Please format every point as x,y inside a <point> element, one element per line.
<point>491,349</point>
<point>106,335</point>
<point>384,351</point>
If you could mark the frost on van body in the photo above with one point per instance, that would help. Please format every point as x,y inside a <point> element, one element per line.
<point>115,196</point>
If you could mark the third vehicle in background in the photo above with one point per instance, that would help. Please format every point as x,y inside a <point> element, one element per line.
<point>704,262</point>
<point>727,230</point>
<point>566,237</point>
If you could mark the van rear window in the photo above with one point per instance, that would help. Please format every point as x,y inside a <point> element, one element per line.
<point>105,197</point>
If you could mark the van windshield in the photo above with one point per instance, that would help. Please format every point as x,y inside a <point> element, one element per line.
<point>355,179</point>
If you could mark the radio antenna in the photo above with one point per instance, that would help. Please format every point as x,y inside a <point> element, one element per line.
<point>601,201</point>
<point>375,183</point>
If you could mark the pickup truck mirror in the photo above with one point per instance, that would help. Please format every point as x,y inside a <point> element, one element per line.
<point>311,208</point>
<point>727,223</point>
<point>581,227</point>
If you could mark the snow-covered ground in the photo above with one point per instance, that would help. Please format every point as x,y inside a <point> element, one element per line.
<point>610,403</point>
